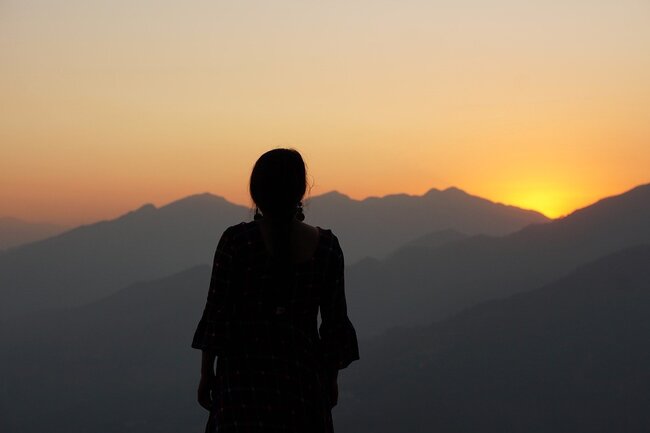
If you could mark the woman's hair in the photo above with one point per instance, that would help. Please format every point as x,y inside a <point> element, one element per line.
<point>277,185</point>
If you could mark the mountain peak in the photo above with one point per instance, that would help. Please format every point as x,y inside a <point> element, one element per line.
<point>432,191</point>
<point>454,190</point>
<point>147,207</point>
<point>331,195</point>
<point>196,199</point>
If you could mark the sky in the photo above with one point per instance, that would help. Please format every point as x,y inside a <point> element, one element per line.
<point>107,105</point>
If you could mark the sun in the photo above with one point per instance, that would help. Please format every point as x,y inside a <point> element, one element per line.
<point>551,203</point>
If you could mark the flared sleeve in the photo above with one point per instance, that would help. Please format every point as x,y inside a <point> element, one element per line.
<point>337,334</point>
<point>212,331</point>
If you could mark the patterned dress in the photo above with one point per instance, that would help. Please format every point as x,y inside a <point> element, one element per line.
<point>273,359</point>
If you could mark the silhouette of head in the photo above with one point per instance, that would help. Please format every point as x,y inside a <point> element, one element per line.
<point>278,183</point>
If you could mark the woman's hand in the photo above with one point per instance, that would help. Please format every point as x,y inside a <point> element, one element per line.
<point>206,391</point>
<point>334,391</point>
<point>207,385</point>
<point>330,386</point>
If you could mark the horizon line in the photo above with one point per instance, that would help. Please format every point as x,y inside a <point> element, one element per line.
<point>67,226</point>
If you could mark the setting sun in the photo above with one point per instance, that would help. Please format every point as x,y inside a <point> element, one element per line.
<point>553,204</point>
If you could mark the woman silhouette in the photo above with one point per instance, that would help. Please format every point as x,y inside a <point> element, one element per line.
<point>276,368</point>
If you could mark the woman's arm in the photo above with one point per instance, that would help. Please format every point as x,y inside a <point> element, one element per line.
<point>211,333</point>
<point>205,392</point>
<point>333,386</point>
<point>337,333</point>
<point>207,363</point>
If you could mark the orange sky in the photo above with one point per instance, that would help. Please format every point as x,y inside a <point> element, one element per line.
<point>109,105</point>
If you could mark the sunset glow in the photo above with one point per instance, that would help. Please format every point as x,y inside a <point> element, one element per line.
<point>110,105</point>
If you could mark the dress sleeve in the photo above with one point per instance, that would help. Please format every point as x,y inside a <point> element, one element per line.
<point>338,337</point>
<point>212,331</point>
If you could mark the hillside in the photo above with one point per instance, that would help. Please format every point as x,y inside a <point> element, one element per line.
<point>15,232</point>
<point>572,356</point>
<point>92,261</point>
<point>419,284</point>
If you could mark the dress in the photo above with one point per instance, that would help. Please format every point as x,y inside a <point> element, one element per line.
<point>272,356</point>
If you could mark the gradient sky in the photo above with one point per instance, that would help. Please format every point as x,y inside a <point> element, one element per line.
<point>108,105</point>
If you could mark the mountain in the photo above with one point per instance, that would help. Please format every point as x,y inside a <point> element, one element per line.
<point>571,356</point>
<point>432,240</point>
<point>15,232</point>
<point>91,261</point>
<point>377,226</point>
<point>417,285</point>
<point>121,364</point>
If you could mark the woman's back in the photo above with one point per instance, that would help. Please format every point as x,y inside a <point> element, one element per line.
<point>273,360</point>
<point>303,240</point>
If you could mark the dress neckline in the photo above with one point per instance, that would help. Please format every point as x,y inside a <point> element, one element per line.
<point>302,262</point>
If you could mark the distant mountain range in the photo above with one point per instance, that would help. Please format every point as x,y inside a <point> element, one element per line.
<point>542,329</point>
<point>14,232</point>
<point>420,283</point>
<point>92,261</point>
<point>374,227</point>
<point>572,356</point>
<point>122,364</point>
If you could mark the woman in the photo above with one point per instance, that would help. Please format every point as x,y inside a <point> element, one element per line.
<point>276,368</point>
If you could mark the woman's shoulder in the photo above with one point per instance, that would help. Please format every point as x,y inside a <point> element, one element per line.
<point>246,231</point>
<point>328,239</point>
<point>240,231</point>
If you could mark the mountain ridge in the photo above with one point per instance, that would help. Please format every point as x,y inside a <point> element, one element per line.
<point>16,231</point>
<point>90,261</point>
<point>416,285</point>
<point>568,356</point>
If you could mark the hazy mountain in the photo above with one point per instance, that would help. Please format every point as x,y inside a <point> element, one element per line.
<point>91,261</point>
<point>572,356</point>
<point>94,260</point>
<point>433,240</point>
<point>15,232</point>
<point>376,226</point>
<point>418,284</point>
<point>122,364</point>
